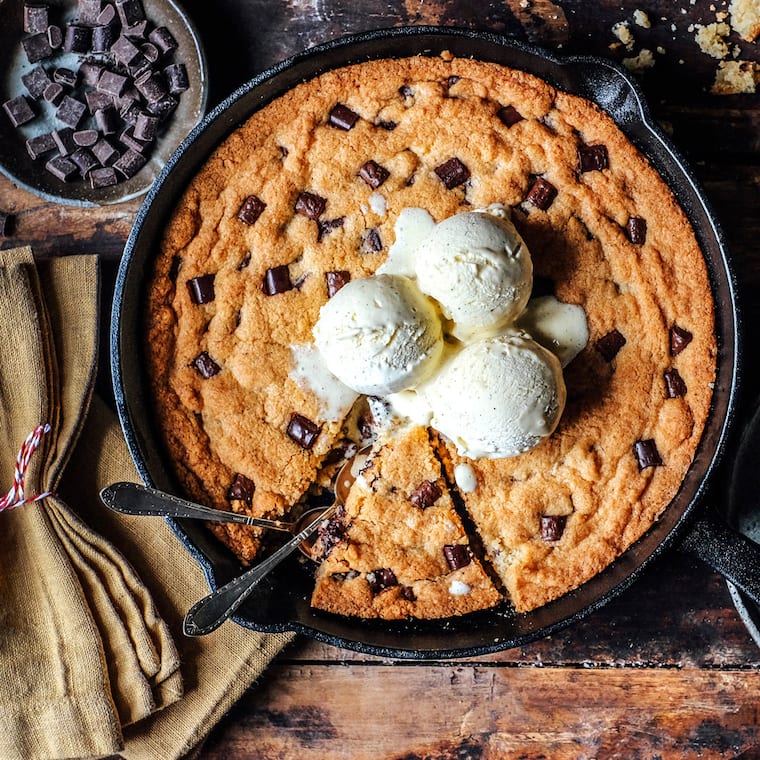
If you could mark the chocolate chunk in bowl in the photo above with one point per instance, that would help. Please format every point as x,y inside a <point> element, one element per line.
<point>68,44</point>
<point>284,600</point>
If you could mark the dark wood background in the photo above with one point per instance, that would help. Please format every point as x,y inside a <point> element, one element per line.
<point>667,669</point>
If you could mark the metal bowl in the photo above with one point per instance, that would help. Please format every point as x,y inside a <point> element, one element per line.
<point>282,602</point>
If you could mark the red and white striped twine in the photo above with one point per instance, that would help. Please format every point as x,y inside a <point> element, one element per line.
<point>16,497</point>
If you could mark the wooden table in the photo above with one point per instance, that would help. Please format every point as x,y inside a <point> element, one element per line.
<point>665,670</point>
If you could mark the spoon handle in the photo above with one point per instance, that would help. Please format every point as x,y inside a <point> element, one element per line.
<point>207,614</point>
<point>136,499</point>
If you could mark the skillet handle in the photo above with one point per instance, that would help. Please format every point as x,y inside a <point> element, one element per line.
<point>729,552</point>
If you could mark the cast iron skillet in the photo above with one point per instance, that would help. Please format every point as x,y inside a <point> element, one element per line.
<point>281,602</point>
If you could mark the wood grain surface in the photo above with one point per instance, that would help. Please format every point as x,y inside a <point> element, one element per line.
<point>668,668</point>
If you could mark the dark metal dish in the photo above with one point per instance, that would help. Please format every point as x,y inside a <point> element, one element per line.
<point>282,602</point>
<point>30,174</point>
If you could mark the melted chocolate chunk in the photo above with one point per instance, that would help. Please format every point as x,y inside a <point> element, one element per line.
<point>205,365</point>
<point>609,345</point>
<point>452,173</point>
<point>174,268</point>
<point>336,280</point>
<point>675,385</point>
<point>349,575</point>
<point>552,527</point>
<point>389,126</point>
<point>646,454</point>
<point>252,208</point>
<point>679,339</point>
<point>241,489</point>
<point>328,225</point>
<point>405,91</point>
<point>381,579</point>
<point>342,117</point>
<point>425,495</point>
<point>374,174</point>
<point>407,592</point>
<point>310,205</point>
<point>201,288</point>
<point>637,230</point>
<point>302,430</point>
<point>509,115</point>
<point>541,194</point>
<point>593,158</point>
<point>244,263</point>
<point>331,533</point>
<point>457,555</point>
<point>277,280</point>
<point>371,241</point>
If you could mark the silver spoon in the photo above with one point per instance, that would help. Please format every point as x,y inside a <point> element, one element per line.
<point>207,614</point>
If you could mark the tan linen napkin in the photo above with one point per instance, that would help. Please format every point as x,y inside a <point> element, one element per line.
<point>92,659</point>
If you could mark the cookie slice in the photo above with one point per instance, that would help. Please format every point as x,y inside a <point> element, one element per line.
<point>398,549</point>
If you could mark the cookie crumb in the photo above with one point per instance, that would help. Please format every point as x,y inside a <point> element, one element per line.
<point>711,39</point>
<point>745,18</point>
<point>736,77</point>
<point>641,19</point>
<point>623,32</point>
<point>644,60</point>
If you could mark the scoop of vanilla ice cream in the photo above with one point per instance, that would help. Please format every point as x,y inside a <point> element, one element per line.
<point>497,397</point>
<point>379,334</point>
<point>479,270</point>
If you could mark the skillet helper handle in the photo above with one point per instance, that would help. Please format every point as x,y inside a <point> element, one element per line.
<point>729,552</point>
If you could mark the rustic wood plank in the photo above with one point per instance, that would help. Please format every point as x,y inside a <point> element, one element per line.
<point>476,711</point>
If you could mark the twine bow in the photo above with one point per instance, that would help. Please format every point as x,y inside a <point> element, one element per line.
<point>16,497</point>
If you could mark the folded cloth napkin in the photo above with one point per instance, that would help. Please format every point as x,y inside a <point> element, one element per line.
<point>92,658</point>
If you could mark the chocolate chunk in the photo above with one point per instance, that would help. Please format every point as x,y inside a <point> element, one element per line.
<point>85,138</point>
<point>151,86</point>
<point>164,107</point>
<point>105,152</point>
<point>302,430</point>
<point>176,77</point>
<point>146,127</point>
<point>201,288</point>
<point>38,146</point>
<point>452,80</point>
<point>277,280</point>
<point>162,38</point>
<point>54,93</point>
<point>452,173</point>
<point>36,81</point>
<point>98,101</point>
<point>244,263</point>
<point>637,230</point>
<point>66,77</point>
<point>107,120</point>
<point>389,126</point>
<point>64,140</point>
<point>407,592</point>
<point>6,224</point>
<point>342,117</point>
<point>128,140</point>
<point>609,345</point>
<point>679,339</point>
<point>241,489</point>
<point>102,39</point>
<point>91,72</point>
<point>130,11</point>
<point>592,158</point>
<point>37,47</point>
<point>646,454</point>
<point>88,11</point>
<point>139,31</point>
<point>371,241</point>
<point>336,280</point>
<point>103,176</point>
<point>251,210</point>
<point>310,205</point>
<point>62,168</point>
<point>112,83</point>
<point>509,116</point>
<point>426,494</point>
<point>78,39</point>
<point>406,91</point>
<point>71,111</point>
<point>19,111</point>
<point>374,174</point>
<point>174,268</point>
<point>675,386</point>
<point>124,50</point>
<point>552,527</point>
<point>541,194</point>
<point>84,160</point>
<point>381,579</point>
<point>129,110</point>
<point>325,226</point>
<point>150,52</point>
<point>55,36</point>
<point>457,555</point>
<point>129,163</point>
<point>205,365</point>
<point>36,17</point>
